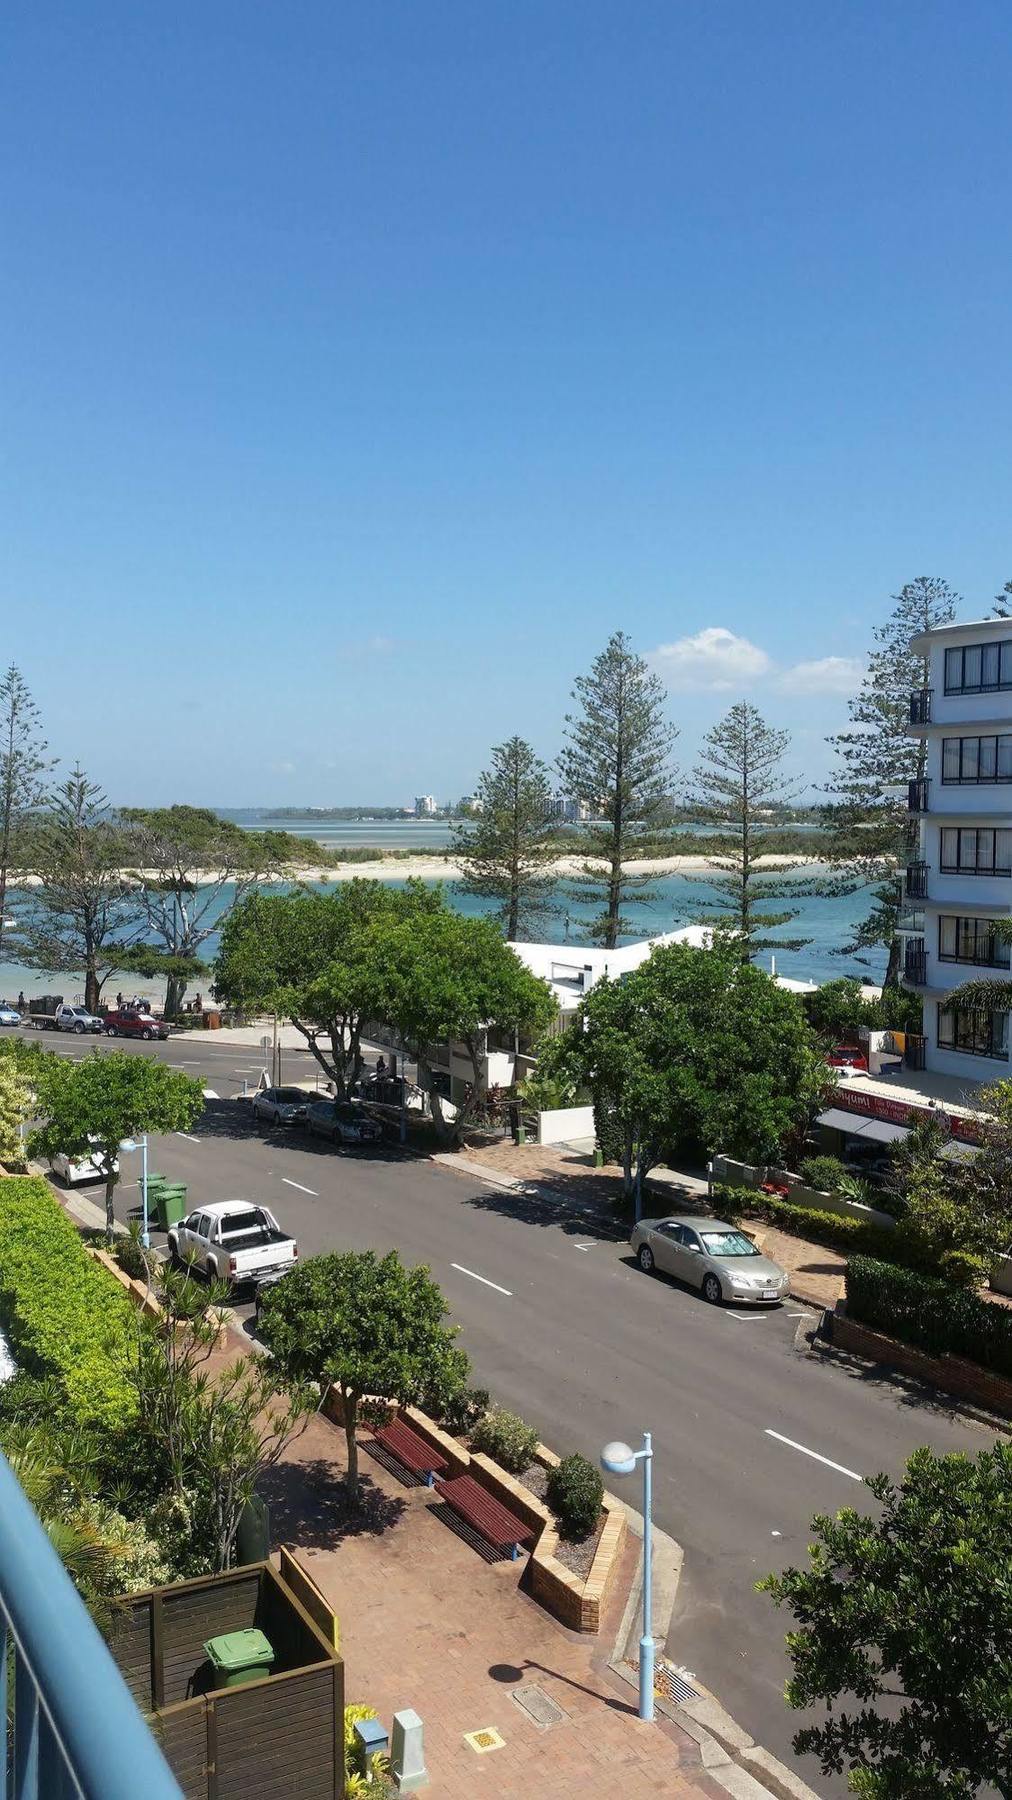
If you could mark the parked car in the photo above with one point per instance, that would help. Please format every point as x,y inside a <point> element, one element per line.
<point>9,1015</point>
<point>73,1170</point>
<point>848,1056</point>
<point>282,1105</point>
<point>710,1255</point>
<point>49,1013</point>
<point>234,1241</point>
<point>135,1024</point>
<point>343,1122</point>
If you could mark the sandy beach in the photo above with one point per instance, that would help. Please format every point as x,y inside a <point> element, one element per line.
<point>447,868</point>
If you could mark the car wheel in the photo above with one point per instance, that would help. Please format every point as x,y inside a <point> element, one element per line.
<point>110,1031</point>
<point>645,1258</point>
<point>78,1030</point>
<point>147,1035</point>
<point>712,1290</point>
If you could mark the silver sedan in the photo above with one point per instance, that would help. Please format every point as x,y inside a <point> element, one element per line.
<point>710,1255</point>
<point>282,1105</point>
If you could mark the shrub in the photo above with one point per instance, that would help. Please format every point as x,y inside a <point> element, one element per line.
<point>851,1235</point>
<point>929,1314</point>
<point>964,1269</point>
<point>507,1439</point>
<point>62,1313</point>
<point>575,1492</point>
<point>464,1410</point>
<point>822,1172</point>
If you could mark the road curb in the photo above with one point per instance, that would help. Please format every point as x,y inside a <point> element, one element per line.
<point>727,1751</point>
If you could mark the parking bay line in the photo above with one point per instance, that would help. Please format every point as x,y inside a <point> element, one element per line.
<point>483,1279</point>
<point>186,1135</point>
<point>298,1184</point>
<point>814,1454</point>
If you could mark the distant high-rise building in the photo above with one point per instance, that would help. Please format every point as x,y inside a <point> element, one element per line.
<point>425,806</point>
<point>571,812</point>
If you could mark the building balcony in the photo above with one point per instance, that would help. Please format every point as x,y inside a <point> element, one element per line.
<point>920,706</point>
<point>915,964</point>
<point>917,795</point>
<point>70,1725</point>
<point>917,881</point>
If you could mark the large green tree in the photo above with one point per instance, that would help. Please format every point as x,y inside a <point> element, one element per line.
<point>617,759</point>
<point>84,908</point>
<point>737,790</point>
<point>366,1324</point>
<point>692,1053</point>
<point>442,977</point>
<point>904,1632</point>
<point>310,956</point>
<point>191,865</point>
<point>87,1108</point>
<point>505,849</point>
<point>870,833</point>
<point>23,768</point>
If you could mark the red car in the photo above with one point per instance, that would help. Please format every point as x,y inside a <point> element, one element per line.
<point>134,1024</point>
<point>848,1056</point>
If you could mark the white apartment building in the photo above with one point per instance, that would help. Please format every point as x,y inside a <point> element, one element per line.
<point>425,806</point>
<point>963,879</point>
<point>564,807</point>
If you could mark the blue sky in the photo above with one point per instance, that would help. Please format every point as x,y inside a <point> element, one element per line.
<point>365,367</point>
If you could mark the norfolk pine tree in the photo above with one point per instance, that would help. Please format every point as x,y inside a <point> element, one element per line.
<point>505,850</point>
<point>735,788</point>
<point>617,760</point>
<point>871,834</point>
<point>23,763</point>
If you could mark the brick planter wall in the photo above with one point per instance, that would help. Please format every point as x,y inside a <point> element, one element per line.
<point>967,1380</point>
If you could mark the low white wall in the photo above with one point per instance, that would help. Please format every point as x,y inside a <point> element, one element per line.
<point>565,1122</point>
<point>1001,1276</point>
<point>736,1174</point>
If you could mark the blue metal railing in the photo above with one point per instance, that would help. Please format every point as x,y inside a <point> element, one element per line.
<point>70,1730</point>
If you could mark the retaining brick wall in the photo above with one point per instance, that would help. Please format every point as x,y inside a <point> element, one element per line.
<point>951,1373</point>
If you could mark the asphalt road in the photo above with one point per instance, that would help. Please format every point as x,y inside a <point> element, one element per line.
<point>751,1437</point>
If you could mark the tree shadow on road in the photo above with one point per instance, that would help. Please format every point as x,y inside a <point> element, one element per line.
<point>572,1214</point>
<point>904,1389</point>
<point>233,1120</point>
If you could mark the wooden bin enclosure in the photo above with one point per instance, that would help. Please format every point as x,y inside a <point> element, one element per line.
<point>281,1738</point>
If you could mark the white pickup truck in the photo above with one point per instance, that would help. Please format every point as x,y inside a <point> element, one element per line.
<point>234,1241</point>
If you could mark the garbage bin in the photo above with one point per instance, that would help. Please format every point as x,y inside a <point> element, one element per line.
<point>172,1205</point>
<point>239,1656</point>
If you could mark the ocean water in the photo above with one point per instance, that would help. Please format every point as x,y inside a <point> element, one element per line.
<point>676,901</point>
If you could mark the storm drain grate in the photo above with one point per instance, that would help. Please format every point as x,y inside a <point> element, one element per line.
<point>538,1705</point>
<point>674,1686</point>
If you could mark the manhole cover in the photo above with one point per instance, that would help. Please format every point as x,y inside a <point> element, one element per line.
<point>539,1705</point>
<point>484,1740</point>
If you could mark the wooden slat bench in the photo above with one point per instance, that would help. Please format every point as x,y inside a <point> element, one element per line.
<point>481,1509</point>
<point>411,1450</point>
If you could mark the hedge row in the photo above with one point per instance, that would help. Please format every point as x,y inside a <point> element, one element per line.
<point>929,1314</point>
<point>852,1236</point>
<point>62,1314</point>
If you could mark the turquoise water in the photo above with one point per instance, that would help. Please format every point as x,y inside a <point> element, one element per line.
<point>676,901</point>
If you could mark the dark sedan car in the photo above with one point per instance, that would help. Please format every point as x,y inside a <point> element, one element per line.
<point>343,1123</point>
<point>135,1024</point>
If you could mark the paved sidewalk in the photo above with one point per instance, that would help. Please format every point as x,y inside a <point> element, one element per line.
<point>425,1622</point>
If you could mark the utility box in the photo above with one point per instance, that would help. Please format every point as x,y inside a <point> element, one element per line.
<point>239,1656</point>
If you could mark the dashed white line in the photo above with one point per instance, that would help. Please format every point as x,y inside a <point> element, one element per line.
<point>298,1184</point>
<point>186,1135</point>
<point>483,1279</point>
<point>814,1454</point>
<point>583,1246</point>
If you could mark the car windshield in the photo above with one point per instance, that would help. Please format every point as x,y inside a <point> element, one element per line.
<point>290,1096</point>
<point>727,1243</point>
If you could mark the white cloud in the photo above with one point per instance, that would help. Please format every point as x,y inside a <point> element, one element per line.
<point>714,658</point>
<point>827,675</point>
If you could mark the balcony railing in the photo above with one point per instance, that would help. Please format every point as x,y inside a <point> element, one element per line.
<point>917,796</point>
<point>72,1729</point>
<point>920,706</point>
<point>917,881</point>
<point>913,1055</point>
<point>915,965</point>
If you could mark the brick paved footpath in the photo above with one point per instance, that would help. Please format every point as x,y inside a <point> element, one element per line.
<point>425,1622</point>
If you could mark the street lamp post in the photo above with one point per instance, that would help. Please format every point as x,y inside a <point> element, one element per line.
<point>620,1459</point>
<point>141,1144</point>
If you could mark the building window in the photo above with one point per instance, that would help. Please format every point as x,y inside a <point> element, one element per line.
<point>971,941</point>
<point>979,668</point>
<point>975,1034</point>
<point>977,759</point>
<point>968,850</point>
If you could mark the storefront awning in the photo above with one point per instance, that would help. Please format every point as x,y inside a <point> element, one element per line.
<point>878,1131</point>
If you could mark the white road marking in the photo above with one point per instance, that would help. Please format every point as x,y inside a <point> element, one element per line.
<point>186,1135</point>
<point>746,1318</point>
<point>483,1279</point>
<point>583,1246</point>
<point>803,1315</point>
<point>298,1184</point>
<point>814,1454</point>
